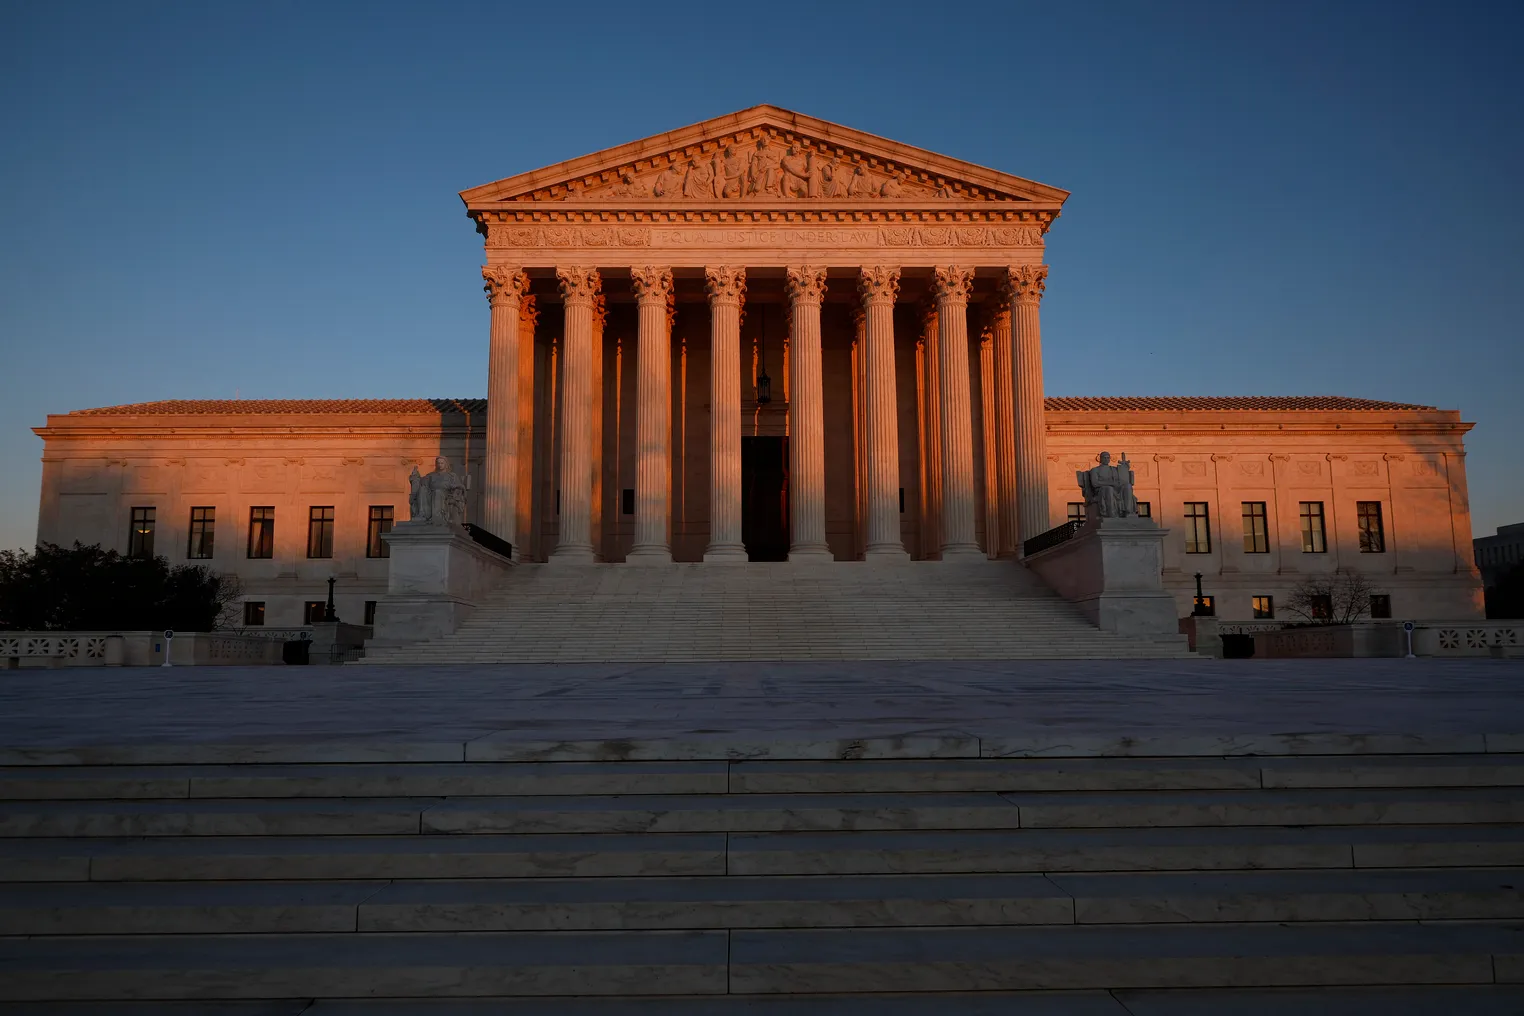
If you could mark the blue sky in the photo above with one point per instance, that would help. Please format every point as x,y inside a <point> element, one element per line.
<point>198,200</point>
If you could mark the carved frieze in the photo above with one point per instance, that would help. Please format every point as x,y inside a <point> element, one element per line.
<point>501,236</point>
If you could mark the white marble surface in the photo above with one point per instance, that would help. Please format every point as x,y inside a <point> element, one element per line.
<point>615,712</point>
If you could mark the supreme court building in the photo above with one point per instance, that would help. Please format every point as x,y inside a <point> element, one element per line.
<point>767,337</point>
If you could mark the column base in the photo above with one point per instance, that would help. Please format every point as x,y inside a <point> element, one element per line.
<point>572,556</point>
<point>648,555</point>
<point>727,553</point>
<point>886,555</point>
<point>963,552</point>
<point>810,555</point>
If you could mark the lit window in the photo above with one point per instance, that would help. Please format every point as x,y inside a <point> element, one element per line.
<point>320,531</point>
<point>1145,510</point>
<point>1198,528</point>
<point>1208,607</point>
<point>140,536</point>
<point>202,528</point>
<point>1076,511</point>
<point>313,610</point>
<point>1368,513</point>
<point>381,518</point>
<point>1256,528</point>
<point>1381,606</point>
<point>1321,606</point>
<point>1313,539</point>
<point>262,532</point>
<point>1264,608</point>
<point>254,613</point>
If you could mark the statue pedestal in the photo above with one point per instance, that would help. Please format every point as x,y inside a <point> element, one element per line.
<point>1112,569</point>
<point>436,577</point>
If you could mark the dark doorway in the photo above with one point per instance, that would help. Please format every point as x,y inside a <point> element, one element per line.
<point>764,498</point>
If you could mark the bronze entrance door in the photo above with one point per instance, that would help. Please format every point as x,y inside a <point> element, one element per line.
<point>764,498</point>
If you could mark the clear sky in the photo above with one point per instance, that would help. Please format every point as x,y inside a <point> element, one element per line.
<point>209,199</point>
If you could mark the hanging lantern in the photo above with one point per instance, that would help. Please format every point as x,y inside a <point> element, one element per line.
<point>764,383</point>
<point>764,388</point>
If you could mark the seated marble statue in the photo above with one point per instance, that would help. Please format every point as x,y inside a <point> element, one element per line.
<point>438,498</point>
<point>1108,489</point>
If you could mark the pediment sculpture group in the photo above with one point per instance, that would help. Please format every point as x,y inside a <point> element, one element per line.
<point>1108,489</point>
<point>767,171</point>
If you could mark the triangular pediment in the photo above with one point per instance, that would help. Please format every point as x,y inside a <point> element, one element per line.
<point>764,156</point>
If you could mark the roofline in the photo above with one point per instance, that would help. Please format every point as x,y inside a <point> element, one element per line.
<point>477,197</point>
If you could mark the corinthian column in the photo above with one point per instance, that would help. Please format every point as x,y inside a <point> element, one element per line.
<point>653,418</point>
<point>1025,284</point>
<point>1005,478</point>
<point>727,288</point>
<point>579,286</point>
<point>951,285</point>
<point>879,286</point>
<point>806,421</point>
<point>931,435</point>
<point>505,289</point>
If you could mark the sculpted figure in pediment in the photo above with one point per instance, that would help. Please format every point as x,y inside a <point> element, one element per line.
<point>729,173</point>
<point>800,178</point>
<point>670,183</point>
<point>764,175</point>
<point>628,186</point>
<point>862,184</point>
<point>698,181</point>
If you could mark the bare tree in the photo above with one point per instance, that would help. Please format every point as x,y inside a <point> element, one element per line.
<point>1341,598</point>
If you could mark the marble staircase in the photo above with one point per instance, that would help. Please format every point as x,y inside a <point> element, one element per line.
<point>1354,883</point>
<point>923,610</point>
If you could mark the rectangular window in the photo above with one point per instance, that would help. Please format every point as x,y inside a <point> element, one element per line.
<point>1381,606</point>
<point>1264,608</point>
<point>1207,606</point>
<point>262,532</point>
<point>370,611</point>
<point>381,518</point>
<point>1256,528</point>
<point>1145,510</point>
<point>626,501</point>
<point>313,610</point>
<point>320,531</point>
<point>140,536</point>
<point>1076,511</point>
<point>1313,539</point>
<point>254,613</point>
<point>1369,515</point>
<point>202,529</point>
<point>1198,528</point>
<point>1321,606</point>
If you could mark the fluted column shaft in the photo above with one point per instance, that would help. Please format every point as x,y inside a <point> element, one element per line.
<point>1005,478</point>
<point>579,286</point>
<point>932,429</point>
<point>806,287</point>
<point>653,417</point>
<point>505,289</point>
<point>879,286</point>
<point>727,289</point>
<point>1026,284</point>
<point>951,285</point>
<point>526,547</point>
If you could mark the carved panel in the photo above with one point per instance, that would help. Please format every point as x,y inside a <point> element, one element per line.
<point>1251,468</point>
<point>203,477</point>
<point>1306,468</point>
<point>323,478</point>
<point>263,478</point>
<point>1366,467</point>
<point>577,236</point>
<point>1193,469</point>
<point>145,479</point>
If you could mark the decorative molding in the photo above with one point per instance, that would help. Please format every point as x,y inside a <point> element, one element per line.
<point>702,230</point>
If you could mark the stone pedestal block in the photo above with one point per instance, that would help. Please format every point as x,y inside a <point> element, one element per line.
<point>1112,570</point>
<point>436,577</point>
<point>1205,638</point>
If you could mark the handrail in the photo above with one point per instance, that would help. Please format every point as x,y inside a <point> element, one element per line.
<point>1052,538</point>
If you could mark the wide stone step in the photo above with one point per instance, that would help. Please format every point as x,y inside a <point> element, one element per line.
<point>862,960</point>
<point>1462,1000</point>
<point>1098,850</point>
<point>612,904</point>
<point>1015,851</point>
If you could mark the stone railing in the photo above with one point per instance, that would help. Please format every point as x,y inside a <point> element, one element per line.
<point>1387,639</point>
<point>133,649</point>
<point>1052,538</point>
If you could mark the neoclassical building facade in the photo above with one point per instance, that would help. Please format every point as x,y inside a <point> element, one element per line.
<point>768,337</point>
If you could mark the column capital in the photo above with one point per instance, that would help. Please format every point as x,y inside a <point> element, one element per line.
<point>806,284</point>
<point>878,283</point>
<point>501,283</point>
<point>926,310</point>
<point>652,283</point>
<point>725,284</point>
<point>578,285</point>
<point>952,282</point>
<point>600,310</point>
<point>1024,284</point>
<point>529,311</point>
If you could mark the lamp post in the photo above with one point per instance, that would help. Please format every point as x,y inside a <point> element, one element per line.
<point>1200,609</point>
<point>329,614</point>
